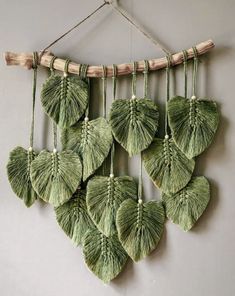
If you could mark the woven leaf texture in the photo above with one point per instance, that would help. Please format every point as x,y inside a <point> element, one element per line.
<point>92,141</point>
<point>193,124</point>
<point>64,99</point>
<point>134,123</point>
<point>167,166</point>
<point>73,217</point>
<point>18,170</point>
<point>56,176</point>
<point>104,196</point>
<point>104,256</point>
<point>186,206</point>
<point>140,227</point>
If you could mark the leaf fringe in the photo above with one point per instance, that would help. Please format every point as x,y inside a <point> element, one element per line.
<point>104,196</point>
<point>91,140</point>
<point>186,206</point>
<point>167,166</point>
<point>104,256</point>
<point>134,123</point>
<point>193,124</point>
<point>64,99</point>
<point>140,227</point>
<point>18,170</point>
<point>56,176</point>
<point>73,217</point>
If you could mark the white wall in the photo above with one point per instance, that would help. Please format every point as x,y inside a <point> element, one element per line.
<point>36,258</point>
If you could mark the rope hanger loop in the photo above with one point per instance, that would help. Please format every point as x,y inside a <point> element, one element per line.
<point>104,89</point>
<point>185,59</point>
<point>83,71</point>
<point>66,67</point>
<point>195,71</point>
<point>146,73</point>
<point>51,67</point>
<point>121,12</point>
<point>134,77</point>
<point>169,65</point>
<point>114,79</point>
<point>34,67</point>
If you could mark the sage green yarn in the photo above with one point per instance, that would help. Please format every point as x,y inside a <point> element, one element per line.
<point>134,123</point>
<point>140,226</point>
<point>91,140</point>
<point>73,217</point>
<point>193,123</point>
<point>104,196</point>
<point>167,166</point>
<point>186,206</point>
<point>64,99</point>
<point>18,170</point>
<point>104,256</point>
<point>56,176</point>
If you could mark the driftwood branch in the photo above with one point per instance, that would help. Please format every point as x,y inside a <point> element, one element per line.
<point>26,59</point>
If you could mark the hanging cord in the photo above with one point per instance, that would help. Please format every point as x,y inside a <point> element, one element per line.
<point>134,77</point>
<point>104,89</point>
<point>35,67</point>
<point>83,75</point>
<point>70,30</point>
<point>169,63</point>
<point>52,72</point>
<point>114,88</point>
<point>195,70</point>
<point>124,14</point>
<point>185,58</point>
<point>140,185</point>
<point>146,76</point>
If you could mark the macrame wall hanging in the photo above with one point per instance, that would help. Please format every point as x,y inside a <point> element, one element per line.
<point>106,214</point>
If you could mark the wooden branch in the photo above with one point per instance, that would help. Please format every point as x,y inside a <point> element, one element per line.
<point>26,59</point>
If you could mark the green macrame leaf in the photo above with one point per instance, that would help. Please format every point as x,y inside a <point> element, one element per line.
<point>140,226</point>
<point>167,166</point>
<point>134,123</point>
<point>56,176</point>
<point>64,99</point>
<point>104,256</point>
<point>92,141</point>
<point>73,217</point>
<point>104,196</point>
<point>18,170</point>
<point>193,124</point>
<point>186,206</point>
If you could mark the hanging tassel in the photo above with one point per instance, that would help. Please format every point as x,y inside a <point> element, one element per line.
<point>140,225</point>
<point>165,163</point>
<point>90,139</point>
<point>134,122</point>
<point>193,121</point>
<point>64,98</point>
<point>105,194</point>
<point>55,176</point>
<point>19,164</point>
